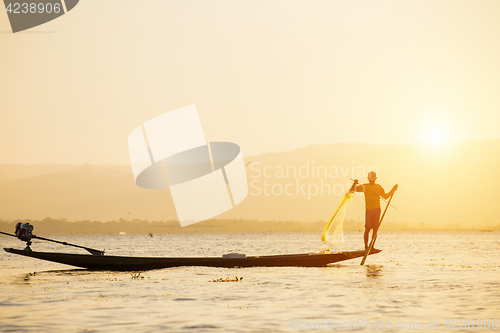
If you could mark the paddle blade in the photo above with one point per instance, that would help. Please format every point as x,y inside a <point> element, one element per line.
<point>95,252</point>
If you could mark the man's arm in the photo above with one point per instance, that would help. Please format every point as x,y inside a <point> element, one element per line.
<point>353,187</point>
<point>391,192</point>
<point>356,188</point>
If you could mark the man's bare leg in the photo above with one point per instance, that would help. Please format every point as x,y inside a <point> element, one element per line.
<point>367,234</point>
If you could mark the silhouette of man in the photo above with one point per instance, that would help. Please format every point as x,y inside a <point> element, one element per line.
<point>373,192</point>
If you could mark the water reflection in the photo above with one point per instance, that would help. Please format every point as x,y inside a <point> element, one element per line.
<point>76,300</point>
<point>374,271</point>
<point>67,272</point>
<point>24,278</point>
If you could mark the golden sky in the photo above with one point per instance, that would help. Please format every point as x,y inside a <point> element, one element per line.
<point>267,75</point>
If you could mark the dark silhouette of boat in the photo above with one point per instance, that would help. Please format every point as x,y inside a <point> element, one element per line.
<point>118,263</point>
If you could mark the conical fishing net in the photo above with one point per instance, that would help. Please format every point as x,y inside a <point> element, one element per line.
<point>336,223</point>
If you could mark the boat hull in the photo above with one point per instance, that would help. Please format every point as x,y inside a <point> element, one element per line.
<point>117,263</point>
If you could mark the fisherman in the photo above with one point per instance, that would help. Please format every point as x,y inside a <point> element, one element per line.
<point>373,192</point>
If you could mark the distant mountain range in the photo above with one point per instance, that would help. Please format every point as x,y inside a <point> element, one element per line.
<point>455,184</point>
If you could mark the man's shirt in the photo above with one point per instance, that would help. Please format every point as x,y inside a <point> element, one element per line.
<point>372,194</point>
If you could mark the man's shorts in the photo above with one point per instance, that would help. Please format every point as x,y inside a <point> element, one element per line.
<point>372,218</point>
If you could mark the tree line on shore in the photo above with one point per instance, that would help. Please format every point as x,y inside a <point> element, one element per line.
<point>62,226</point>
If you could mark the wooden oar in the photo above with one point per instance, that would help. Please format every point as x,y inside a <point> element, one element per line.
<point>375,233</point>
<point>93,251</point>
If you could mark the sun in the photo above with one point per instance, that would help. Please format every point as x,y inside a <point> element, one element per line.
<point>436,136</point>
<point>436,133</point>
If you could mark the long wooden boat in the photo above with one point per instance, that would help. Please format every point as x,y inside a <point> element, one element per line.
<point>117,263</point>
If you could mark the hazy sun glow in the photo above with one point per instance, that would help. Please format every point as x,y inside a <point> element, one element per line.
<point>436,133</point>
<point>437,136</point>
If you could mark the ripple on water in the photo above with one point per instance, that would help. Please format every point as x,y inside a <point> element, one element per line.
<point>440,279</point>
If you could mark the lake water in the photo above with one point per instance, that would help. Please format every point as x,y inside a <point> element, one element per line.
<point>419,277</point>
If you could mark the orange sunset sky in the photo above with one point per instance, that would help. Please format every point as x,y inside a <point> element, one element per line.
<point>267,75</point>
<point>413,83</point>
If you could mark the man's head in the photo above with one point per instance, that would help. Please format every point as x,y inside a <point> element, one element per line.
<point>372,177</point>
